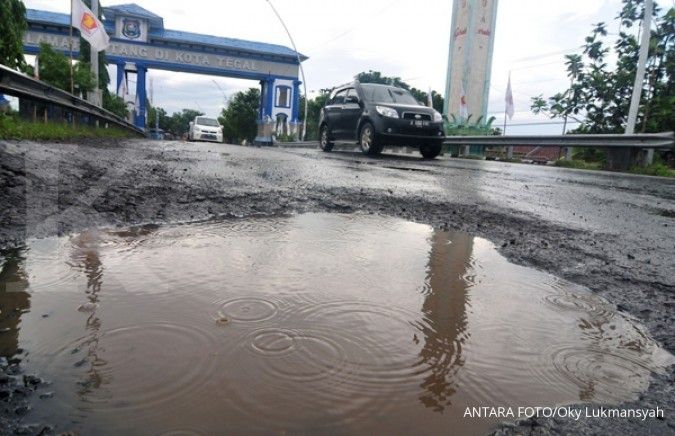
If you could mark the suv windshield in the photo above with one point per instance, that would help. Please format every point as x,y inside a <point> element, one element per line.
<point>387,94</point>
<point>207,122</point>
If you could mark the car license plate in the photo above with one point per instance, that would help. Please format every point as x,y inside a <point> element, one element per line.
<point>420,123</point>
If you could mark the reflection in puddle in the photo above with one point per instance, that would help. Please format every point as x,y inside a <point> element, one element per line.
<point>14,300</point>
<point>317,322</point>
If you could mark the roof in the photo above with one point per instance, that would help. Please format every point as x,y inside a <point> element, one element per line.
<point>133,10</point>
<point>47,17</point>
<point>219,41</point>
<point>157,31</point>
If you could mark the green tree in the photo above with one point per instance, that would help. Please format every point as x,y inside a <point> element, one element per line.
<point>111,102</point>
<point>179,122</point>
<point>421,96</point>
<point>164,118</point>
<point>599,95</point>
<point>12,26</point>
<point>377,77</point>
<point>85,55</point>
<point>55,70</point>
<point>466,127</point>
<point>239,117</point>
<point>115,104</point>
<point>314,106</point>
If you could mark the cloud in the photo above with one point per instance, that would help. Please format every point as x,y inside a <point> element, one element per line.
<point>403,38</point>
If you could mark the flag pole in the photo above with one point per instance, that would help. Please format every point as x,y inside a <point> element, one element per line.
<point>93,61</point>
<point>70,49</point>
<point>506,104</point>
<point>509,149</point>
<point>504,131</point>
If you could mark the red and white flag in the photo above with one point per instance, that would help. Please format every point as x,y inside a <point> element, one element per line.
<point>90,27</point>
<point>463,108</point>
<point>509,99</point>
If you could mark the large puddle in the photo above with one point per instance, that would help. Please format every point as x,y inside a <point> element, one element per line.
<point>312,323</point>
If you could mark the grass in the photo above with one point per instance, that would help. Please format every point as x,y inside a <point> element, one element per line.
<point>512,160</point>
<point>578,164</point>
<point>14,128</point>
<point>655,169</point>
<point>286,138</point>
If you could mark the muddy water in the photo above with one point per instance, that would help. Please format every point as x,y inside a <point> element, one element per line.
<point>312,323</point>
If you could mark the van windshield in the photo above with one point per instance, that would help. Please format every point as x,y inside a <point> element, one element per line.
<point>203,121</point>
<point>387,94</point>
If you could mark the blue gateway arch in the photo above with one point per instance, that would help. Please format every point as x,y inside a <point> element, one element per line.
<point>139,41</point>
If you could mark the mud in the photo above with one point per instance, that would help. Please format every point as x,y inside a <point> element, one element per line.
<point>611,233</point>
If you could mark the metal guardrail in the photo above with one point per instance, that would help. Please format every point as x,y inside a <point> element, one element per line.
<point>297,144</point>
<point>664,140</point>
<point>20,85</point>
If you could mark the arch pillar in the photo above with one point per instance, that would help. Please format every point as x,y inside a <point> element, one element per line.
<point>139,117</point>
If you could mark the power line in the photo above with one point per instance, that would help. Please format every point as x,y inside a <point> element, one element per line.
<point>351,29</point>
<point>548,79</point>
<point>527,67</point>
<point>544,55</point>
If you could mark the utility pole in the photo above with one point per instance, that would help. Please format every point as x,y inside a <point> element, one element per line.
<point>95,94</point>
<point>640,75</point>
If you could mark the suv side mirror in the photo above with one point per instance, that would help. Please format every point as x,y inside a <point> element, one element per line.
<point>352,99</point>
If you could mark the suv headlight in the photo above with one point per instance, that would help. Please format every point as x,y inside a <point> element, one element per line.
<point>386,111</point>
<point>438,118</point>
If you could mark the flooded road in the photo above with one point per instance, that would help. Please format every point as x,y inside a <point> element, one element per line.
<point>309,323</point>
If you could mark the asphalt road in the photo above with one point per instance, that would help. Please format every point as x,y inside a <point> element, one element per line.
<point>611,232</point>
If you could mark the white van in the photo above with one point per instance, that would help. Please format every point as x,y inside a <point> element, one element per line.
<point>205,129</point>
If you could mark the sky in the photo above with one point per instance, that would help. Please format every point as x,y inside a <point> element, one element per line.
<point>404,38</point>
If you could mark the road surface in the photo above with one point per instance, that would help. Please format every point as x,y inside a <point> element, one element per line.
<point>611,232</point>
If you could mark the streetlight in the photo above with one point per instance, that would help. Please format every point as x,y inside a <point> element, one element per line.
<point>302,71</point>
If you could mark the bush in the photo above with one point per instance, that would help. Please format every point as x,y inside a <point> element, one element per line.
<point>590,155</point>
<point>655,169</point>
<point>287,137</point>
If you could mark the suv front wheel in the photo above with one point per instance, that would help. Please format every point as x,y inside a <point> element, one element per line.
<point>324,139</point>
<point>367,140</point>
<point>431,151</point>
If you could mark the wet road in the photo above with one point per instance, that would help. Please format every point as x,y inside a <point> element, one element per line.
<point>592,200</point>
<point>610,232</point>
<point>606,230</point>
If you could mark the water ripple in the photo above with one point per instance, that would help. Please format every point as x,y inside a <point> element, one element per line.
<point>595,371</point>
<point>116,369</point>
<point>595,307</point>
<point>246,309</point>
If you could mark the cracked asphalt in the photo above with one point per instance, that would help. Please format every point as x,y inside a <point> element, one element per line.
<point>611,232</point>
